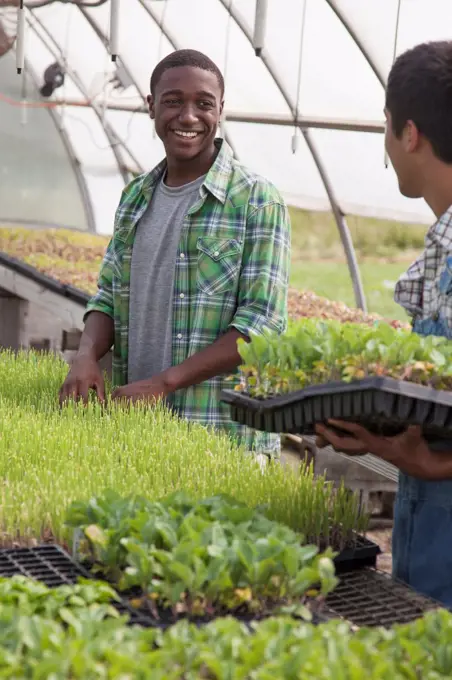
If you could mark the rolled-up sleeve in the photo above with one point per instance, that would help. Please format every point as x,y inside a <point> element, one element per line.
<point>102,301</point>
<point>264,278</point>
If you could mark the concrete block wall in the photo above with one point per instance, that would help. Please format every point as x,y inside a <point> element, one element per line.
<point>27,325</point>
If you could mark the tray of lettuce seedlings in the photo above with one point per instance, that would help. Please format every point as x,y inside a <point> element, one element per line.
<point>85,643</point>
<point>200,559</point>
<point>382,377</point>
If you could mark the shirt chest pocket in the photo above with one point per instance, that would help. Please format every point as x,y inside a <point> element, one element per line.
<point>218,264</point>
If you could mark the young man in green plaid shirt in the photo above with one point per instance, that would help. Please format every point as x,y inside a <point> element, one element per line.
<point>198,259</point>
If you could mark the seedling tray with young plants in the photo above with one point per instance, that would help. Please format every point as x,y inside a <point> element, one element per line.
<point>151,452</point>
<point>185,558</point>
<point>47,575</point>
<point>382,377</point>
<point>85,643</point>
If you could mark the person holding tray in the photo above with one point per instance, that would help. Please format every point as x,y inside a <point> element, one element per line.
<point>419,144</point>
<point>199,257</point>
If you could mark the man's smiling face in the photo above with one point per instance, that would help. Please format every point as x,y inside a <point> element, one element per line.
<point>186,107</point>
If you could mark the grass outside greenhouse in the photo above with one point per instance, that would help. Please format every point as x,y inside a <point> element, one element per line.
<point>384,250</point>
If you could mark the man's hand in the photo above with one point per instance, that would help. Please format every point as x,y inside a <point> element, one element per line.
<point>151,390</point>
<point>408,451</point>
<point>84,374</point>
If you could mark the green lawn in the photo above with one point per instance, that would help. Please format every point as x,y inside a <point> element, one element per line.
<point>332,280</point>
<point>384,249</point>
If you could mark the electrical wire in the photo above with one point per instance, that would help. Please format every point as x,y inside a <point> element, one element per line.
<point>53,105</point>
<point>161,24</point>
<point>36,4</point>
<point>226,62</point>
<point>396,35</point>
<point>65,54</point>
<point>300,59</point>
<point>119,142</point>
<point>394,53</point>
<point>296,113</point>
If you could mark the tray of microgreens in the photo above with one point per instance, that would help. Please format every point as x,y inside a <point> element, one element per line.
<point>383,377</point>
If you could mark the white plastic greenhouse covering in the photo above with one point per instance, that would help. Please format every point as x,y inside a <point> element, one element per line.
<point>324,62</point>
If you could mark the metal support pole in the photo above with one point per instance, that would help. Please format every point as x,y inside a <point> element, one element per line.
<point>356,39</point>
<point>338,216</point>
<point>344,232</point>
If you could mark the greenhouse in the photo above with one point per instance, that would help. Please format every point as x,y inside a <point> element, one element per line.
<point>139,544</point>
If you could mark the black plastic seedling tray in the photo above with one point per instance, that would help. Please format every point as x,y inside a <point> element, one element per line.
<point>363,553</point>
<point>383,405</point>
<point>372,598</point>
<point>51,565</point>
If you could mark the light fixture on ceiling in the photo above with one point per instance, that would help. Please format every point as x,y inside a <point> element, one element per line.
<point>20,39</point>
<point>114,29</point>
<point>260,24</point>
<point>121,79</point>
<point>53,78</point>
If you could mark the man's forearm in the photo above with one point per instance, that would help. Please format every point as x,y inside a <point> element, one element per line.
<point>97,337</point>
<point>221,357</point>
<point>443,469</point>
<point>436,466</point>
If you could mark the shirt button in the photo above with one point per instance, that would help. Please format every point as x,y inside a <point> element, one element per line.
<point>182,255</point>
<point>179,336</point>
<point>181,295</point>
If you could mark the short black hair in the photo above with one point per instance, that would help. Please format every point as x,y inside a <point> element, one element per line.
<point>420,89</point>
<point>186,58</point>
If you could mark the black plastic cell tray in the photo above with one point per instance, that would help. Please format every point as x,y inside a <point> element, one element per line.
<point>372,598</point>
<point>51,565</point>
<point>362,554</point>
<point>383,405</point>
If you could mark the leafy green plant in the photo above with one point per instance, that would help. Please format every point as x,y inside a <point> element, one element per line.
<point>202,557</point>
<point>50,457</point>
<point>89,648</point>
<point>313,352</point>
<point>32,597</point>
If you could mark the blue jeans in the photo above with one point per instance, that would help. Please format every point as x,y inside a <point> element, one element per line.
<point>422,535</point>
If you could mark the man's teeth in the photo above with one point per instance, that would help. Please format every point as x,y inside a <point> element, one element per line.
<point>182,133</point>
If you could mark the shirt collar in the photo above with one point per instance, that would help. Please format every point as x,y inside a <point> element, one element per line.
<point>441,231</point>
<point>217,178</point>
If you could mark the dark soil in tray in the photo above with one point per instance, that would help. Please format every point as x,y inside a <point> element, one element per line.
<point>383,405</point>
<point>164,618</point>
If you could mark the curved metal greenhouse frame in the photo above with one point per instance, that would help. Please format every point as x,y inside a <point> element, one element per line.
<point>122,150</point>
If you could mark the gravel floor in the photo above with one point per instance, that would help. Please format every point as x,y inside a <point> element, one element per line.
<point>383,538</point>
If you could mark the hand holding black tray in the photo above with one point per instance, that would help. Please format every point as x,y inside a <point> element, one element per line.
<point>383,405</point>
<point>434,441</point>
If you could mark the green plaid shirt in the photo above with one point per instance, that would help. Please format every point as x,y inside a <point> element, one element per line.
<point>232,267</point>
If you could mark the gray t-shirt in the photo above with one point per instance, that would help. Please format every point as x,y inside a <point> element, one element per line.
<point>152,278</point>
